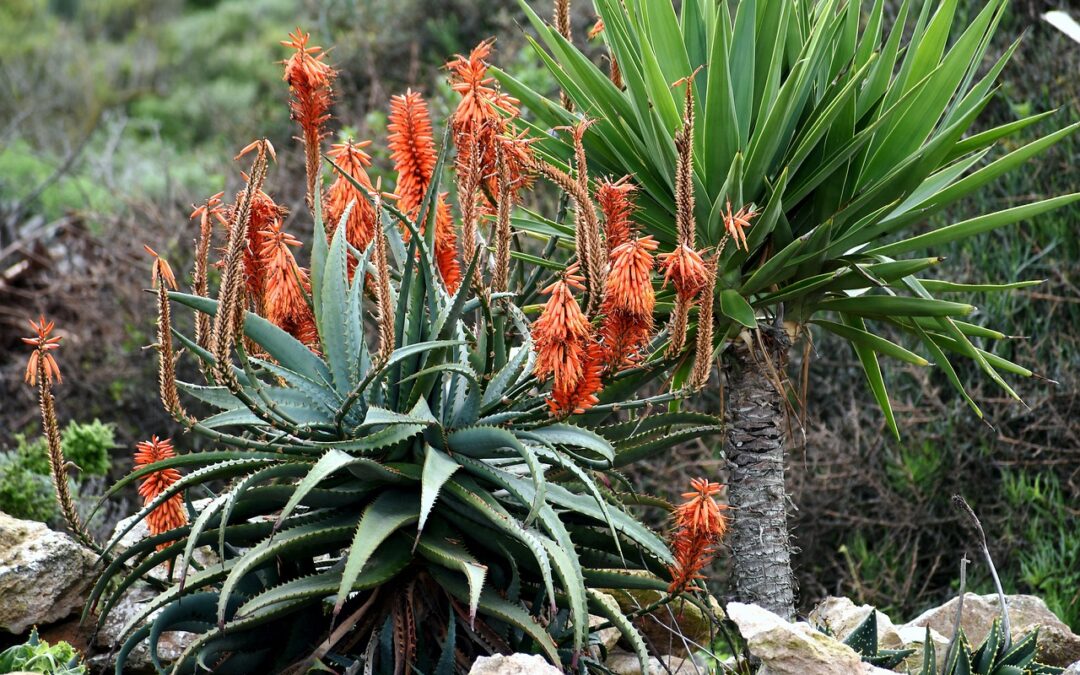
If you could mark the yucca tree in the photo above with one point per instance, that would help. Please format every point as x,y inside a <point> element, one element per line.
<point>846,129</point>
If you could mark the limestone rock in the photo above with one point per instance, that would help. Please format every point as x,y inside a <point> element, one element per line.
<point>170,645</point>
<point>841,616</point>
<point>44,575</point>
<point>793,648</point>
<point>1058,646</point>
<point>1074,669</point>
<point>625,663</point>
<point>513,664</point>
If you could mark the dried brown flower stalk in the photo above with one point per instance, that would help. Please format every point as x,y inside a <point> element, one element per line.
<point>703,349</point>
<point>41,370</point>
<point>170,398</point>
<point>562,24</point>
<point>382,284</point>
<point>500,279</point>
<point>468,183</point>
<point>589,243</point>
<point>231,295</point>
<point>212,209</point>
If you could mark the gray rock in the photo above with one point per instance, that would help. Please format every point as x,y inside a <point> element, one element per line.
<point>44,575</point>
<point>794,648</point>
<point>513,664</point>
<point>842,616</point>
<point>624,663</point>
<point>170,645</point>
<point>1058,646</point>
<point>1074,669</point>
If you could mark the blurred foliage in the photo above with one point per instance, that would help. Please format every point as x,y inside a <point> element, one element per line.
<point>25,490</point>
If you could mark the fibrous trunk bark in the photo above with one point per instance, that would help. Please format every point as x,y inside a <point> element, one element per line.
<point>755,449</point>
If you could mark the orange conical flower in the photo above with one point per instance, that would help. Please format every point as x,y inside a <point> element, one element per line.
<point>629,300</point>
<point>583,395</point>
<point>310,82</point>
<point>264,214</point>
<point>686,270</point>
<point>412,148</point>
<point>360,228</point>
<point>699,526</point>
<point>616,200</point>
<point>42,344</point>
<point>286,282</point>
<point>170,514</point>
<point>565,348</point>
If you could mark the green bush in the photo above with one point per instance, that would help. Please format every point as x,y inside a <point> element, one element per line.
<point>25,490</point>
<point>85,445</point>
<point>24,493</point>
<point>38,656</point>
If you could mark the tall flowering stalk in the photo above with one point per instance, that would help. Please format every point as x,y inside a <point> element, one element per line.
<point>412,147</point>
<point>171,513</point>
<point>616,202</point>
<point>684,267</point>
<point>703,346</point>
<point>311,85</point>
<point>699,527</point>
<point>41,370</point>
<point>207,213</point>
<point>161,279</point>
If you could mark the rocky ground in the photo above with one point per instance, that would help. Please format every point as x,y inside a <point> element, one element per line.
<point>45,578</point>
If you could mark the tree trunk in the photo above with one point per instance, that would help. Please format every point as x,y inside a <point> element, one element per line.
<point>755,456</point>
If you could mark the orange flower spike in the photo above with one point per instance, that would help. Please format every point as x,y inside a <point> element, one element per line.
<point>616,202</point>
<point>285,283</point>
<point>686,270</point>
<point>171,513</point>
<point>561,334</point>
<point>736,224</point>
<point>582,395</point>
<point>310,82</point>
<point>161,271</point>
<point>629,285</point>
<point>42,344</point>
<point>597,29</point>
<point>360,228</point>
<point>699,526</point>
<point>412,148</point>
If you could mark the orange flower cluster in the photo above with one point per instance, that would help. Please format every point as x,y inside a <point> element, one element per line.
<point>629,301</point>
<point>699,526</point>
<point>616,200</point>
<point>566,349</point>
<point>736,223</point>
<point>161,272</point>
<point>360,228</point>
<point>170,514</point>
<point>310,82</point>
<point>483,118</point>
<point>42,344</point>
<point>686,270</point>
<point>412,148</point>
<point>286,282</point>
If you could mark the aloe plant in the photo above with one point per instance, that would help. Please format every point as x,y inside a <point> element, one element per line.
<point>414,509</point>
<point>847,131</point>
